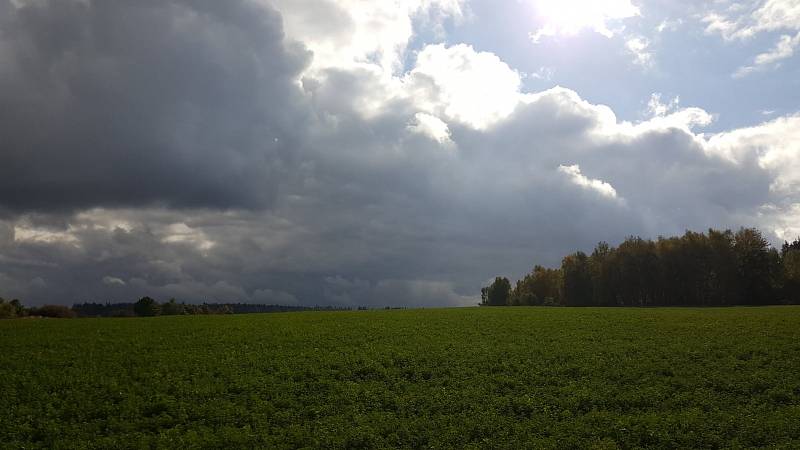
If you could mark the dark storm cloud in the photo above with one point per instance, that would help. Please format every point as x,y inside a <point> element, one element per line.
<point>378,215</point>
<point>185,103</point>
<point>179,149</point>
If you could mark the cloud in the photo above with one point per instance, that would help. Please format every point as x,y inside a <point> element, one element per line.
<point>444,80</point>
<point>638,47</point>
<point>432,127</point>
<point>411,225</point>
<point>388,184</point>
<point>24,233</point>
<point>543,73</point>
<point>783,49</point>
<point>113,281</point>
<point>37,283</point>
<point>183,234</point>
<point>740,23</point>
<point>783,219</point>
<point>671,115</point>
<point>269,296</point>
<point>566,18</point>
<point>773,145</point>
<point>134,103</point>
<point>669,25</point>
<point>357,34</point>
<point>657,108</point>
<point>574,174</point>
<point>569,17</point>
<point>744,23</point>
<point>391,292</point>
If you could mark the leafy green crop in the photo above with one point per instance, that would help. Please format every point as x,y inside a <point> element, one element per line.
<point>455,378</point>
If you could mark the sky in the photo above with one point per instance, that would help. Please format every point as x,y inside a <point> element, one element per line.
<point>378,153</point>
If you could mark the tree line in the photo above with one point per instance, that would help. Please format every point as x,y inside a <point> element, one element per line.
<point>146,307</point>
<point>14,308</point>
<point>717,268</point>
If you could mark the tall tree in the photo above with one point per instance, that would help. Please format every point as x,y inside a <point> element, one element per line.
<point>722,281</point>
<point>540,287</point>
<point>636,264</point>
<point>754,265</point>
<point>790,262</point>
<point>577,275</point>
<point>601,281</point>
<point>498,293</point>
<point>697,269</point>
<point>146,306</point>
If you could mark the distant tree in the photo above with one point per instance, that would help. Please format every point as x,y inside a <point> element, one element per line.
<point>496,294</point>
<point>7,310</point>
<point>521,294</point>
<point>172,308</point>
<point>19,308</point>
<point>697,269</point>
<point>55,311</point>
<point>789,247</point>
<point>547,285</point>
<point>120,312</point>
<point>543,286</point>
<point>146,307</point>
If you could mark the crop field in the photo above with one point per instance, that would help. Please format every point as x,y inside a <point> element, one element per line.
<point>441,378</point>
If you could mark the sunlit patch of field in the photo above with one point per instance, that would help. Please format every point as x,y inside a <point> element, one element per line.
<point>478,377</point>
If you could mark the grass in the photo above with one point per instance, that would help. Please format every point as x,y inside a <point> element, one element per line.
<point>456,378</point>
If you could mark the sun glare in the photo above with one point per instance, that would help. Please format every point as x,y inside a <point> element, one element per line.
<point>568,17</point>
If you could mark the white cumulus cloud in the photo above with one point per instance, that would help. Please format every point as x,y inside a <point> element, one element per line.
<point>430,126</point>
<point>569,17</point>
<point>574,174</point>
<point>639,46</point>
<point>457,82</point>
<point>741,23</point>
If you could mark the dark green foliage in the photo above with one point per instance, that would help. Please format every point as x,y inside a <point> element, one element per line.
<point>9,310</point>
<point>19,309</point>
<point>496,294</point>
<point>755,265</point>
<point>722,280</point>
<point>540,287</point>
<point>147,307</point>
<point>790,264</point>
<point>172,308</point>
<point>577,279</point>
<point>720,268</point>
<point>54,311</point>
<point>600,267</point>
<point>634,273</point>
<point>459,378</point>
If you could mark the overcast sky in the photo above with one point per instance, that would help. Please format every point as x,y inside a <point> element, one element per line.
<point>377,153</point>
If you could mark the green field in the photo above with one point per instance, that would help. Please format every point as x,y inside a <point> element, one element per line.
<point>453,378</point>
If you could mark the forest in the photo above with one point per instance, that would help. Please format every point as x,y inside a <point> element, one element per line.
<point>717,268</point>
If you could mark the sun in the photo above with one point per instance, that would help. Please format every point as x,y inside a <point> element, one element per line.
<point>568,17</point>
